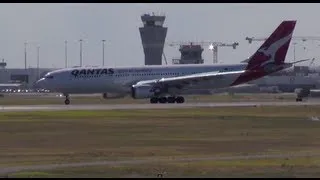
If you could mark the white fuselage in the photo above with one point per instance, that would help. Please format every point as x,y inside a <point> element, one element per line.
<point>119,80</point>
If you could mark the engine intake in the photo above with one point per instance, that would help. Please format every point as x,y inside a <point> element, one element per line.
<point>141,91</point>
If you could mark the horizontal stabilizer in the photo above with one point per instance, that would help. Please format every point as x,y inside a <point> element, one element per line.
<point>301,61</point>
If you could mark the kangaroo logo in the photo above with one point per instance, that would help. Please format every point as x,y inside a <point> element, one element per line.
<point>272,50</point>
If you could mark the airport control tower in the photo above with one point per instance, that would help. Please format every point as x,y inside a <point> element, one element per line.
<point>153,36</point>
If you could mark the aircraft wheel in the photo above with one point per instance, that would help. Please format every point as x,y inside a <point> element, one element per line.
<point>171,100</point>
<point>180,99</point>
<point>299,99</point>
<point>154,100</point>
<point>67,101</point>
<point>163,100</point>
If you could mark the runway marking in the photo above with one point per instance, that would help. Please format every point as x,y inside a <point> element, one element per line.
<point>149,106</point>
<point>150,160</point>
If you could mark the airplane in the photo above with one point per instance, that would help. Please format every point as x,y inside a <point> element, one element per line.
<point>166,84</point>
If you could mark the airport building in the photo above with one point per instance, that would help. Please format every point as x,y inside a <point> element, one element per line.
<point>190,54</point>
<point>153,36</point>
<point>291,79</point>
<point>26,77</point>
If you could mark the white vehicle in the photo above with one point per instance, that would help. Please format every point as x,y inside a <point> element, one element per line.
<point>166,84</point>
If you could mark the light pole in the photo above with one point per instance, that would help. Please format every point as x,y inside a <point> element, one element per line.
<point>38,61</point>
<point>66,53</point>
<point>80,52</point>
<point>103,41</point>
<point>25,55</point>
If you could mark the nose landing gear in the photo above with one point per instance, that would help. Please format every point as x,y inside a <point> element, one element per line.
<point>67,101</point>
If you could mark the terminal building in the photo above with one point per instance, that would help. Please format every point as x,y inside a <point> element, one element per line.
<point>25,77</point>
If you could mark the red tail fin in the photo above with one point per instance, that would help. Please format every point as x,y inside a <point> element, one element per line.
<point>270,57</point>
<point>274,49</point>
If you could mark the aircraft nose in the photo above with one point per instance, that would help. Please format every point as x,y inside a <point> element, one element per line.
<point>40,83</point>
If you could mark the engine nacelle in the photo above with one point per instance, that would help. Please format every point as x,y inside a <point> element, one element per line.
<point>301,92</point>
<point>141,91</point>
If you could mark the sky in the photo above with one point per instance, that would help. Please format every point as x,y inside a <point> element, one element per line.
<point>49,25</point>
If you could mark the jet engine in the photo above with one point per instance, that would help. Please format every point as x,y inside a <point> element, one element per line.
<point>141,91</point>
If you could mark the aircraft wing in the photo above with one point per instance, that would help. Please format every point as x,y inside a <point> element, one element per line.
<point>181,82</point>
<point>10,85</point>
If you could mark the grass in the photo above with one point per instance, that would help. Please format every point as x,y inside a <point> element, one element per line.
<point>38,100</point>
<point>30,138</point>
<point>134,115</point>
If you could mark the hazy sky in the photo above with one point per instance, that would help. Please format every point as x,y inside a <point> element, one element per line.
<point>49,25</point>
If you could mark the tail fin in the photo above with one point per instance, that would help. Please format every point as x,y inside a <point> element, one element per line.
<point>274,49</point>
<point>270,57</point>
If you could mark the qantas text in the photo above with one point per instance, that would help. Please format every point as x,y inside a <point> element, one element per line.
<point>83,72</point>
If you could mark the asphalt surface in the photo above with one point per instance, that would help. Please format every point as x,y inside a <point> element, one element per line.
<point>149,106</point>
<point>4,171</point>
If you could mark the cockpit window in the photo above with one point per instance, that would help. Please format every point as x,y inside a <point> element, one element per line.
<point>49,77</point>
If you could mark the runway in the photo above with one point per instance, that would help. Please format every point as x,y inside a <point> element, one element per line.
<point>149,106</point>
<point>152,160</point>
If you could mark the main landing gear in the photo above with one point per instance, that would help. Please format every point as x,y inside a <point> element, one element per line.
<point>170,99</point>
<point>302,93</point>
<point>67,101</point>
